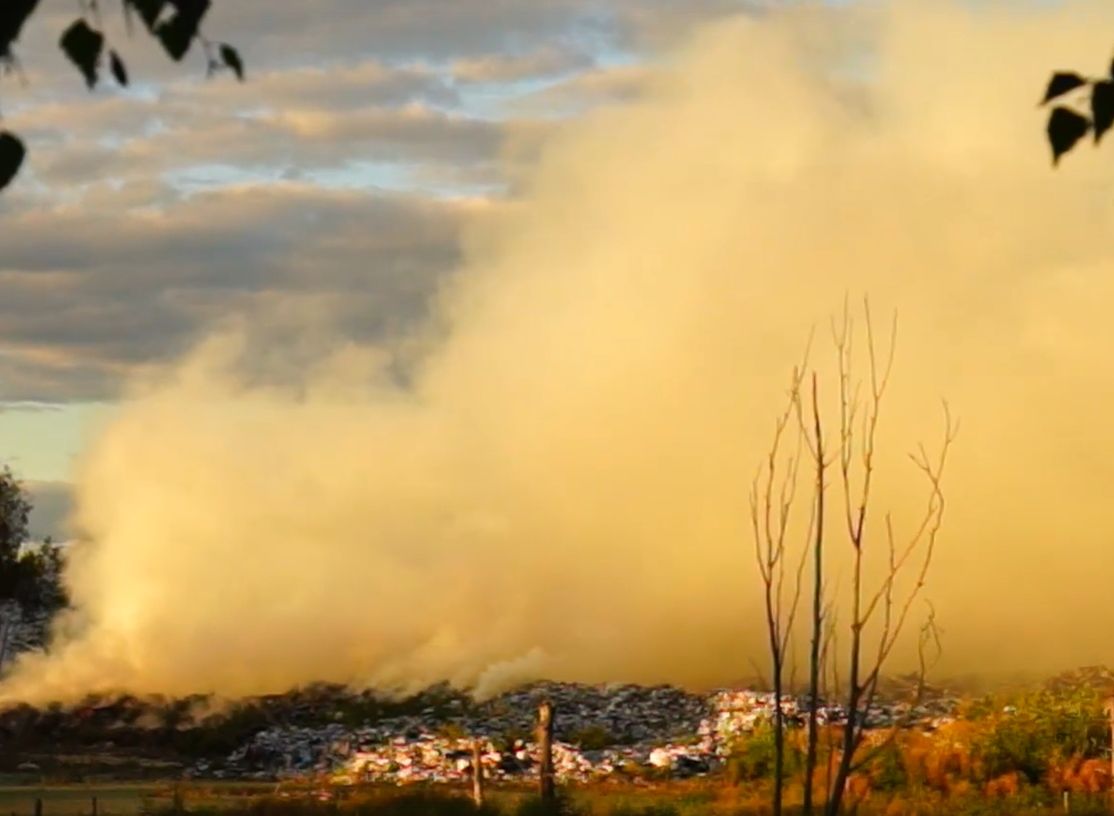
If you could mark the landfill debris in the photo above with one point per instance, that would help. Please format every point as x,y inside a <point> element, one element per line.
<point>600,731</point>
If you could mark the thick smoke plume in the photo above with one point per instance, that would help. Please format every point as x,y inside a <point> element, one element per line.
<point>560,486</point>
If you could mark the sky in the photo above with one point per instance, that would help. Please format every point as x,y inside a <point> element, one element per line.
<point>447,347</point>
<point>339,174</point>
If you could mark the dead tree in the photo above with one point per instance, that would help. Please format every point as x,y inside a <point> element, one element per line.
<point>815,657</point>
<point>883,606</point>
<point>771,504</point>
<point>878,613</point>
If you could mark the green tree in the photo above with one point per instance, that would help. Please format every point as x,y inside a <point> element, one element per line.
<point>29,575</point>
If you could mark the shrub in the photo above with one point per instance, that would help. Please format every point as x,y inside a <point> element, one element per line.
<point>753,756</point>
<point>592,738</point>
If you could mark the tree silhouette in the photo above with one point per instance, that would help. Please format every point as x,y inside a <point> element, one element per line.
<point>1092,112</point>
<point>176,24</point>
<point>31,576</point>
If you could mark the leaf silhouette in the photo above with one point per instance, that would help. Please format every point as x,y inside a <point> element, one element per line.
<point>1065,128</point>
<point>175,38</point>
<point>177,33</point>
<point>232,59</point>
<point>13,14</point>
<point>149,10</point>
<point>12,152</point>
<point>119,70</point>
<point>1102,108</point>
<point>1061,83</point>
<point>83,45</point>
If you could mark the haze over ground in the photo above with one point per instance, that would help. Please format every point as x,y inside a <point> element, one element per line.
<point>337,483</point>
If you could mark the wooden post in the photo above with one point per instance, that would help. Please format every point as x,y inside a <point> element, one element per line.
<point>477,774</point>
<point>1067,801</point>
<point>93,810</point>
<point>1110,713</point>
<point>545,751</point>
<point>38,806</point>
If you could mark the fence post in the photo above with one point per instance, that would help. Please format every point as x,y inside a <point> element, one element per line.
<point>1109,710</point>
<point>477,773</point>
<point>38,806</point>
<point>545,749</point>
<point>94,806</point>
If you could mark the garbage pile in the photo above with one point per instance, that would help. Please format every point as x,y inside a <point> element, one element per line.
<point>599,731</point>
<point>738,712</point>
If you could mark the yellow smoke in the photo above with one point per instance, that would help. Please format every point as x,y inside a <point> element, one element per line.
<point>561,488</point>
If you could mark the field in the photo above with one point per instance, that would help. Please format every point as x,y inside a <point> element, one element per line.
<point>123,799</point>
<point>708,797</point>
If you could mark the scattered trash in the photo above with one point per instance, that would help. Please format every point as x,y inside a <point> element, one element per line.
<point>657,729</point>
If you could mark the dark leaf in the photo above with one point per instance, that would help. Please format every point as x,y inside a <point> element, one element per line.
<point>1061,83</point>
<point>175,38</point>
<point>12,152</point>
<point>83,45</point>
<point>232,59</point>
<point>118,68</point>
<point>192,9</point>
<point>149,10</point>
<point>1065,128</point>
<point>177,33</point>
<point>1102,108</point>
<point>13,14</point>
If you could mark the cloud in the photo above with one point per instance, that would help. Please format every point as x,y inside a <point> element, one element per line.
<point>547,61</point>
<point>415,96</point>
<point>95,291</point>
<point>586,90</point>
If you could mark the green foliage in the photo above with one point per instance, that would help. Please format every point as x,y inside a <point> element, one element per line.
<point>30,576</point>
<point>15,510</point>
<point>887,770</point>
<point>592,738</point>
<point>752,757</point>
<point>1038,728</point>
<point>560,805</point>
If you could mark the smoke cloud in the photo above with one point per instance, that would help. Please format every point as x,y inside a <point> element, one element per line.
<point>557,484</point>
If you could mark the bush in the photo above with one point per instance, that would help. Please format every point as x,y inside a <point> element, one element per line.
<point>592,738</point>
<point>654,809</point>
<point>887,769</point>
<point>1037,730</point>
<point>753,756</point>
<point>561,805</point>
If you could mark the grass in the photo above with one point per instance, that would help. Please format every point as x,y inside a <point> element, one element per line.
<point>677,798</point>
